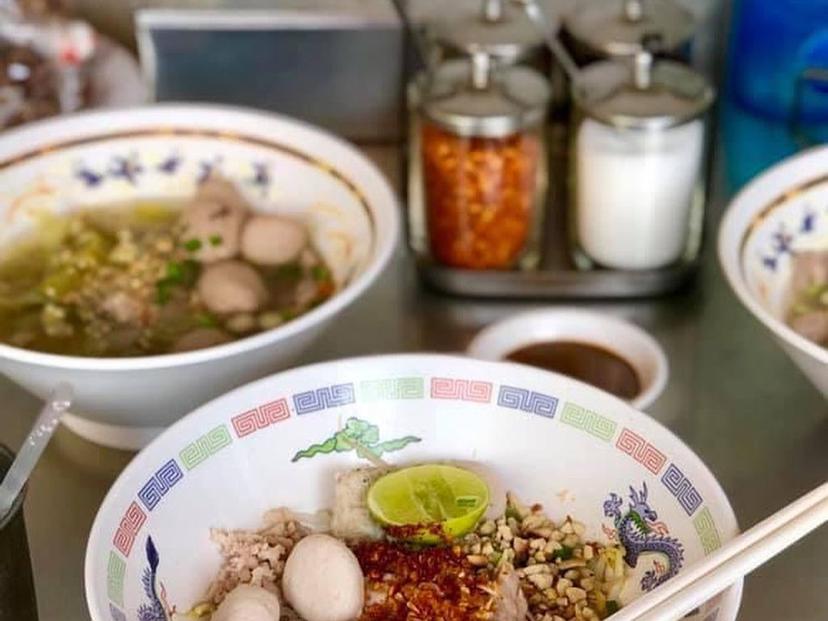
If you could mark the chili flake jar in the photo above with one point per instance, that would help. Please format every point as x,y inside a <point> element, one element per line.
<point>477,182</point>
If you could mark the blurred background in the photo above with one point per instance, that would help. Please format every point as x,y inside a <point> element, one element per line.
<point>774,96</point>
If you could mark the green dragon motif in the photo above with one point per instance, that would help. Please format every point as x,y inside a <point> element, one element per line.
<point>639,522</point>
<point>357,435</point>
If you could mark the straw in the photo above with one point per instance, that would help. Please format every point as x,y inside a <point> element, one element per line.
<point>736,558</point>
<point>32,449</point>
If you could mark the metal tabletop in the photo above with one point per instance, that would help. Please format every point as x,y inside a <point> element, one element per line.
<point>733,396</point>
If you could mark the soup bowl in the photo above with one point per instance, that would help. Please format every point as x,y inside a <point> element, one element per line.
<point>782,211</point>
<point>114,157</point>
<point>273,443</point>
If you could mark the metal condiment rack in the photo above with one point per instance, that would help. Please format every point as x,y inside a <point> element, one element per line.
<point>557,277</point>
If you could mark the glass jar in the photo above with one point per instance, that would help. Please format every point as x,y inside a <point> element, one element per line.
<point>497,27</point>
<point>638,163</point>
<point>598,30</point>
<point>478,170</point>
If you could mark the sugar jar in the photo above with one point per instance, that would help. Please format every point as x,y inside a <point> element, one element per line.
<point>597,29</point>
<point>478,164</point>
<point>638,163</point>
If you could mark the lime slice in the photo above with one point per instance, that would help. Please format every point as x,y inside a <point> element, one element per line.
<point>427,496</point>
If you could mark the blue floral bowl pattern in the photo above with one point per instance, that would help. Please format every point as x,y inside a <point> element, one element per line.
<point>163,152</point>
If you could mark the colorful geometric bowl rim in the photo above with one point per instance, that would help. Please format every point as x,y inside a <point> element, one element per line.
<point>733,592</point>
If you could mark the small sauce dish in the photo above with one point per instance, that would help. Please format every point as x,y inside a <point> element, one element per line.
<point>610,353</point>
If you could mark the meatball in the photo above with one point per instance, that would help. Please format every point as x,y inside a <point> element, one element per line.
<point>273,240</point>
<point>323,581</point>
<point>248,603</point>
<point>231,287</point>
<point>218,190</point>
<point>124,308</point>
<point>200,338</point>
<point>211,230</point>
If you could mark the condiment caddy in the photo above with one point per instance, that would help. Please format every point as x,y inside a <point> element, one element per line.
<point>506,200</point>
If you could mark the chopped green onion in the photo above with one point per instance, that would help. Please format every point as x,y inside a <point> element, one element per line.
<point>612,607</point>
<point>800,309</point>
<point>193,245</point>
<point>163,291</point>
<point>512,512</point>
<point>189,272</point>
<point>565,553</point>
<point>179,273</point>
<point>215,240</point>
<point>320,272</point>
<point>174,271</point>
<point>205,320</point>
<point>813,290</point>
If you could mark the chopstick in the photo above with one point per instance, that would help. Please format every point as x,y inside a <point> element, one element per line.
<point>734,559</point>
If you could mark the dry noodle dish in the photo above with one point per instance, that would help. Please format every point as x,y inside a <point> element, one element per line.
<point>808,314</point>
<point>413,544</point>
<point>154,277</point>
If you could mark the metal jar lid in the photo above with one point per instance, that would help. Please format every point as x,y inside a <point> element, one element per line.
<point>616,28</point>
<point>642,93</point>
<point>498,28</point>
<point>475,98</point>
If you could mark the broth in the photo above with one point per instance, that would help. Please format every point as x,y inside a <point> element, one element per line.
<point>157,277</point>
<point>583,361</point>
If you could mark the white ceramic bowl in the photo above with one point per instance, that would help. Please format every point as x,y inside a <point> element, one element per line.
<point>550,439</point>
<point>625,339</point>
<point>784,209</point>
<point>100,158</point>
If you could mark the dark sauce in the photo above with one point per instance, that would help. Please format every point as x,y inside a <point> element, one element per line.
<point>588,363</point>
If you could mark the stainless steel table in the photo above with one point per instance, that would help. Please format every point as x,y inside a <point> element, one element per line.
<point>733,397</point>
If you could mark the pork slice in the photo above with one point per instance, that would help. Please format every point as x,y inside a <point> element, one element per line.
<point>510,602</point>
<point>351,518</point>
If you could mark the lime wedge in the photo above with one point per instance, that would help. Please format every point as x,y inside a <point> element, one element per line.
<point>428,496</point>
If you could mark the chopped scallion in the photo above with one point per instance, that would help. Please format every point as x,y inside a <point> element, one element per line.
<point>192,245</point>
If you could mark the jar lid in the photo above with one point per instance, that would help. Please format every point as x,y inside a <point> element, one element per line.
<point>616,29</point>
<point>642,93</point>
<point>498,28</point>
<point>475,98</point>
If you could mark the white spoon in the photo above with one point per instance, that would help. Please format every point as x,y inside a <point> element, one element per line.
<point>42,430</point>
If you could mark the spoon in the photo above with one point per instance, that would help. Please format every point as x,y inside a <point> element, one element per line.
<point>59,401</point>
<point>538,18</point>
